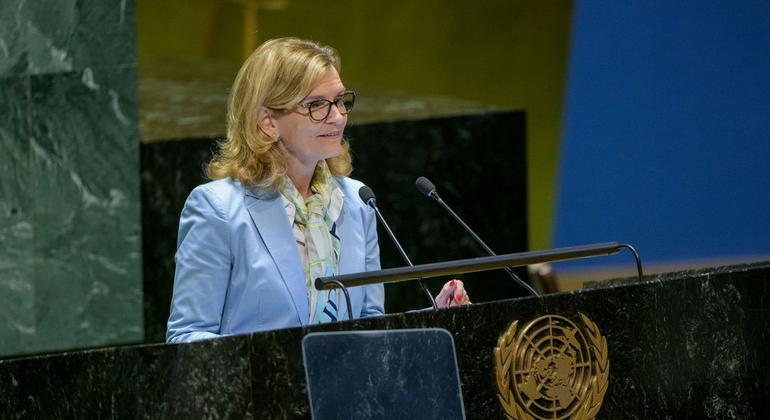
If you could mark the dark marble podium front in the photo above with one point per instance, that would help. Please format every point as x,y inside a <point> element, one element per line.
<point>682,345</point>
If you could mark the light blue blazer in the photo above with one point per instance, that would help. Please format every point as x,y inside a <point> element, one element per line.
<point>238,269</point>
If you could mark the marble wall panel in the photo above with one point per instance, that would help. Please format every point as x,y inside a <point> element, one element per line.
<point>17,322</point>
<point>104,36</point>
<point>48,35</point>
<point>13,48</point>
<point>87,268</point>
<point>37,37</point>
<point>70,253</point>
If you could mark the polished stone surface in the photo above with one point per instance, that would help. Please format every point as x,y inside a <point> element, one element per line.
<point>17,319</point>
<point>85,214</point>
<point>40,37</point>
<point>131,382</point>
<point>487,190</point>
<point>70,258</point>
<point>686,345</point>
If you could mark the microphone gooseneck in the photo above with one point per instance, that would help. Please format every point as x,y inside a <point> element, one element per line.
<point>367,196</point>
<point>429,190</point>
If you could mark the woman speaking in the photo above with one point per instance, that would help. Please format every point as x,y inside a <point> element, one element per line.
<point>280,210</point>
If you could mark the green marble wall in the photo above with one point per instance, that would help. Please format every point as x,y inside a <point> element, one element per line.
<point>70,256</point>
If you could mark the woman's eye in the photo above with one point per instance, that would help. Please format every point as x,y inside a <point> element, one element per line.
<point>317,105</point>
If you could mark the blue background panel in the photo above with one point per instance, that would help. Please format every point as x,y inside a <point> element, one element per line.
<point>666,140</point>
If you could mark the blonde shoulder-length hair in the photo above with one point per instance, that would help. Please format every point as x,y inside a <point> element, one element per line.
<point>278,75</point>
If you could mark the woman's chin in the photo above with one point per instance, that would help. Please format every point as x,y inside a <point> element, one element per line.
<point>333,150</point>
<point>333,154</point>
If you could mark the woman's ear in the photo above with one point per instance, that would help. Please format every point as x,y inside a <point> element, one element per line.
<point>266,122</point>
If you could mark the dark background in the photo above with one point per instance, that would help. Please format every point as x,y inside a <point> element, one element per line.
<point>476,161</point>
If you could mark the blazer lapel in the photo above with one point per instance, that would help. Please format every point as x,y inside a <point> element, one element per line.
<point>346,230</point>
<point>347,237</point>
<point>268,215</point>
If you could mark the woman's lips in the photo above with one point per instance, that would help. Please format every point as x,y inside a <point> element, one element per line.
<point>332,134</point>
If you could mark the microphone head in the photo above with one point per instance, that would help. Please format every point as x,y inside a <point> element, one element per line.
<point>367,195</point>
<point>425,186</point>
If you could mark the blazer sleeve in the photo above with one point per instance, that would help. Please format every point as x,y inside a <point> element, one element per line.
<point>203,264</point>
<point>374,297</point>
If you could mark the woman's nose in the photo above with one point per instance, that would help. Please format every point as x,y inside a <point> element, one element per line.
<point>335,115</point>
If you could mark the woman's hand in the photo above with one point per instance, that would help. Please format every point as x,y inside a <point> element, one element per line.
<point>452,294</point>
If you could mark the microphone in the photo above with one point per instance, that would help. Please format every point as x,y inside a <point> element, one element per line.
<point>367,196</point>
<point>429,190</point>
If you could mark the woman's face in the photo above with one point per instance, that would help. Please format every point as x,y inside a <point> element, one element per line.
<point>308,141</point>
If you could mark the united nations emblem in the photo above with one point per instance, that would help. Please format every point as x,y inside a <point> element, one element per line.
<point>552,369</point>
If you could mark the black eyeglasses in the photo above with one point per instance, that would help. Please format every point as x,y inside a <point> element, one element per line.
<point>319,109</point>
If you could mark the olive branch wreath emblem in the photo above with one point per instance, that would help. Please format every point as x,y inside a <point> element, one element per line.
<point>504,353</point>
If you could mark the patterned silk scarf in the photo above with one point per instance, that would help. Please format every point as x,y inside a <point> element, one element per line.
<point>314,226</point>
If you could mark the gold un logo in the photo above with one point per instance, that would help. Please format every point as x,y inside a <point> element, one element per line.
<point>552,369</point>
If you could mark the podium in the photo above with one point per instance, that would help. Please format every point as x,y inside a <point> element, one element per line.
<point>681,345</point>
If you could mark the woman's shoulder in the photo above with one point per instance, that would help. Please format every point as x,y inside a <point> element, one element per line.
<point>350,183</point>
<point>220,188</point>
<point>225,194</point>
<point>350,187</point>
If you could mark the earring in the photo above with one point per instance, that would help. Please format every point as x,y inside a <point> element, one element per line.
<point>275,137</point>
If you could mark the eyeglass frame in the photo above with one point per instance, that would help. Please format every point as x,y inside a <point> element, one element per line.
<point>329,106</point>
